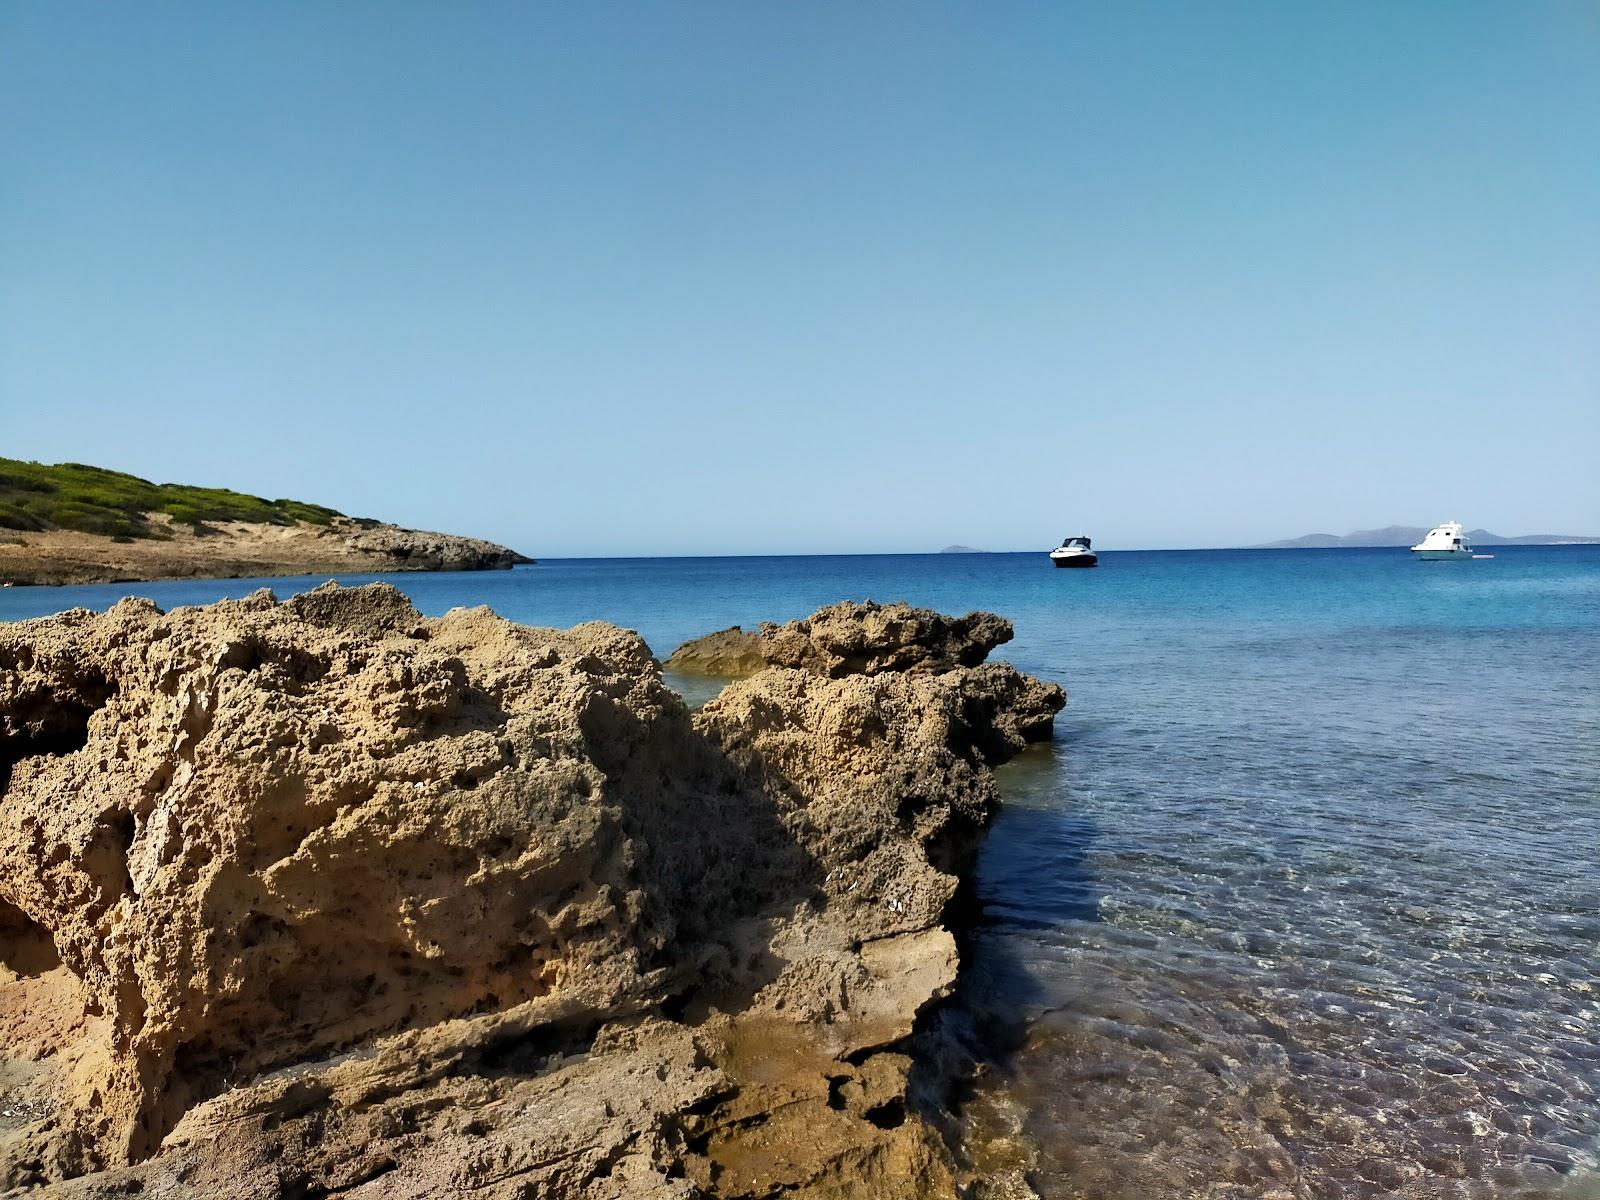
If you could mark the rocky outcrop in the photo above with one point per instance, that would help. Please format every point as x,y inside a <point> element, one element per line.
<point>850,639</point>
<point>242,549</point>
<point>414,550</point>
<point>727,654</point>
<point>327,897</point>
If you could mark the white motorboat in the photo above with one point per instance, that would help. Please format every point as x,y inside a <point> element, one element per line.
<point>1074,552</point>
<point>1444,541</point>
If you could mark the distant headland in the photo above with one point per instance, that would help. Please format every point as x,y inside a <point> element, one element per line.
<point>962,550</point>
<point>1410,535</point>
<point>72,523</point>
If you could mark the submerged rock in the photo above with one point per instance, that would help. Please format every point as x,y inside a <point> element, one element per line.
<point>328,896</point>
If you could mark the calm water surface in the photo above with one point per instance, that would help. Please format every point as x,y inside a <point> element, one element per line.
<point>1304,899</point>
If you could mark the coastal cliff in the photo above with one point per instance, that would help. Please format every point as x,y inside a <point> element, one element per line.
<point>325,897</point>
<point>70,523</point>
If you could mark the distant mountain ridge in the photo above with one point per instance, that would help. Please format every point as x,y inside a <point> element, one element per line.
<point>1410,535</point>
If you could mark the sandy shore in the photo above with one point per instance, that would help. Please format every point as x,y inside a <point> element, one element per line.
<point>237,549</point>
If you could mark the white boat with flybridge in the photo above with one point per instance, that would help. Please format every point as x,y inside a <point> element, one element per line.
<point>1074,552</point>
<point>1445,541</point>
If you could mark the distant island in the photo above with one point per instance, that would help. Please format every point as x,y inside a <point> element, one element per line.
<point>1410,535</point>
<point>72,523</point>
<point>962,550</point>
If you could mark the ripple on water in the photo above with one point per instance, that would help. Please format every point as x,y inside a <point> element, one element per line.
<point>1313,986</point>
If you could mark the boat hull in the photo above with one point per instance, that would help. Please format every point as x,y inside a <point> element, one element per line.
<point>1076,560</point>
<point>1443,555</point>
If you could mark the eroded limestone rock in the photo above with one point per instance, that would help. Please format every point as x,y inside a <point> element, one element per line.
<point>327,896</point>
<point>850,638</point>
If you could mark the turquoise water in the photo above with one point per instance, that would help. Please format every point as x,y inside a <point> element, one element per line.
<point>1304,899</point>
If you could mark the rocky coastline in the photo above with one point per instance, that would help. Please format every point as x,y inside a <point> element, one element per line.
<point>324,897</point>
<point>241,550</point>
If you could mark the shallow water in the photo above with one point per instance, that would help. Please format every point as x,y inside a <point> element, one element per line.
<point>1304,899</point>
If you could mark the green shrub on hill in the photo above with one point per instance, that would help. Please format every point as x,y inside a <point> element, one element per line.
<point>35,497</point>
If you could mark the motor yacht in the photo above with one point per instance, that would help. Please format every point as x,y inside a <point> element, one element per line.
<point>1074,552</point>
<point>1444,541</point>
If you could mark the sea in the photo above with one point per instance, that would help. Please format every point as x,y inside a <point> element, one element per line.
<point>1302,900</point>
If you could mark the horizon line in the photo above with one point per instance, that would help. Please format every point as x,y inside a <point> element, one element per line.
<point>1265,549</point>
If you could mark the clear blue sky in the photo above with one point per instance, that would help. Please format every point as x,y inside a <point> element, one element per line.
<point>769,277</point>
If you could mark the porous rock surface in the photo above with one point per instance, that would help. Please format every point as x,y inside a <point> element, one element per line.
<point>325,897</point>
<point>850,638</point>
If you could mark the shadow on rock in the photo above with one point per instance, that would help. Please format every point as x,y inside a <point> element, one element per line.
<point>347,899</point>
